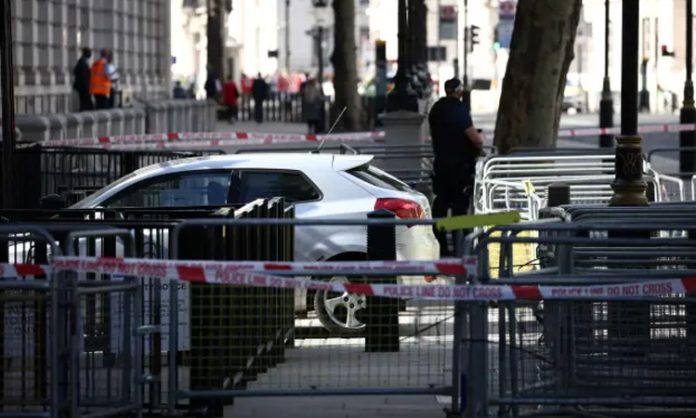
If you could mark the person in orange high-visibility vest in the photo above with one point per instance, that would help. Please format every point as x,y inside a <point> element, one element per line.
<point>100,82</point>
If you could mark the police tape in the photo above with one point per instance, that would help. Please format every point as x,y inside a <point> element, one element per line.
<point>662,128</point>
<point>211,139</point>
<point>143,267</point>
<point>230,273</point>
<point>9,270</point>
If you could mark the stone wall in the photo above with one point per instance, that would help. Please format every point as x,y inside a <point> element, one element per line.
<point>49,35</point>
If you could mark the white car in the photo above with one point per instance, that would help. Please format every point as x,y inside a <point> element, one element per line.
<point>320,186</point>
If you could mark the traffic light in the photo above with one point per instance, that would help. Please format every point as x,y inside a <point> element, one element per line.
<point>474,37</point>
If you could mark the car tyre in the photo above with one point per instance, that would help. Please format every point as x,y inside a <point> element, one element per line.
<point>340,313</point>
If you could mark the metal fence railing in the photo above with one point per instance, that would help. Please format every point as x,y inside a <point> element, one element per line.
<point>74,173</point>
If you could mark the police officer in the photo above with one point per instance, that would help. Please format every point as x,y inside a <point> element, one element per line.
<point>456,145</point>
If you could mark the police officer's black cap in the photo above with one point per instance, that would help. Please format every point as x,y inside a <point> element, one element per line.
<point>452,84</point>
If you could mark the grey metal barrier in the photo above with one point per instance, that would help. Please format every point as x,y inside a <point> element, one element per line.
<point>106,333</point>
<point>31,345</point>
<point>591,357</point>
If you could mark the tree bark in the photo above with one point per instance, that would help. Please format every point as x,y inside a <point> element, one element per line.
<point>345,66</point>
<point>540,54</point>
<point>214,31</point>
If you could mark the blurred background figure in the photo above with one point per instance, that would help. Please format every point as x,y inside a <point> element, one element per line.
<point>99,81</point>
<point>311,105</point>
<point>81,82</point>
<point>178,92</point>
<point>260,92</point>
<point>230,98</point>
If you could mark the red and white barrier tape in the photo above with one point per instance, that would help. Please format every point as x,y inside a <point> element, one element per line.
<point>210,139</point>
<point>8,270</point>
<point>218,273</point>
<point>581,132</point>
<point>170,268</point>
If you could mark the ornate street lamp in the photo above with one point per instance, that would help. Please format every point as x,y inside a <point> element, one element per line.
<point>319,33</point>
<point>687,139</point>
<point>403,97</point>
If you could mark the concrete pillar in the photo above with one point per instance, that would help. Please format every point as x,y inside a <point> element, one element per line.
<point>403,128</point>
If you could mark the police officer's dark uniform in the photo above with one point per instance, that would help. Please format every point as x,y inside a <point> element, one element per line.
<point>455,157</point>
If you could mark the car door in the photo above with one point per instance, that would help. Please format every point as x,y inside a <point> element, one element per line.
<point>249,184</point>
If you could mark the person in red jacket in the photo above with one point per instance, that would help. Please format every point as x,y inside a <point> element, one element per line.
<point>230,98</point>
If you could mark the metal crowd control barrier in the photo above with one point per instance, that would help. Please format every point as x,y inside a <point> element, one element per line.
<point>105,343</point>
<point>519,181</point>
<point>32,344</point>
<point>589,354</point>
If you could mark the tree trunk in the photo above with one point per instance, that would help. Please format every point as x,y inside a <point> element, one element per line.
<point>214,33</point>
<point>540,55</point>
<point>345,66</point>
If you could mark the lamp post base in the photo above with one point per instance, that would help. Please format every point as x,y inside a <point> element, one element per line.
<point>629,186</point>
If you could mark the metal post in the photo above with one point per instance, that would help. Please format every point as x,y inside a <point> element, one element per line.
<point>287,36</point>
<point>320,55</point>
<point>382,317</point>
<point>687,159</point>
<point>606,104</point>
<point>466,97</point>
<point>320,77</point>
<point>8,113</point>
<point>629,187</point>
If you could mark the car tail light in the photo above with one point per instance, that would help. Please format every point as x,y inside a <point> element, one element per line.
<point>402,208</point>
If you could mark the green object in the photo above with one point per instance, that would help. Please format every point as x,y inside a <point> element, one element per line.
<point>472,221</point>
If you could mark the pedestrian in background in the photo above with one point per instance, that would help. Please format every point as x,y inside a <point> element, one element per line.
<point>311,105</point>
<point>82,78</point>
<point>212,85</point>
<point>260,92</point>
<point>178,92</point>
<point>100,82</point>
<point>230,98</point>
<point>456,146</point>
<point>112,73</point>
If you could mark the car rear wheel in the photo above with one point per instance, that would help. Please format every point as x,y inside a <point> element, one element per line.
<point>340,312</point>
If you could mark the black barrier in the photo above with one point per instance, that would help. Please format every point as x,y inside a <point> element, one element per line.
<point>382,317</point>
<point>74,173</point>
<point>251,325</point>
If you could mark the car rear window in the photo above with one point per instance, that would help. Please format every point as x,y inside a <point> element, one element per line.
<point>376,177</point>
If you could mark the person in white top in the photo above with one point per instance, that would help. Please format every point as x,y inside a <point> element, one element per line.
<point>112,73</point>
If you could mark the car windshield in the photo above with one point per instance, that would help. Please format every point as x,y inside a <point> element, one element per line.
<point>376,177</point>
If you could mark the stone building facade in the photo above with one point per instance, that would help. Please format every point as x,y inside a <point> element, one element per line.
<point>49,34</point>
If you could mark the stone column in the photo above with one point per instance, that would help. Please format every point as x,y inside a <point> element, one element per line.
<point>402,127</point>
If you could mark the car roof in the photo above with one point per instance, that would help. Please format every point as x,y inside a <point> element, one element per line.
<point>288,160</point>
